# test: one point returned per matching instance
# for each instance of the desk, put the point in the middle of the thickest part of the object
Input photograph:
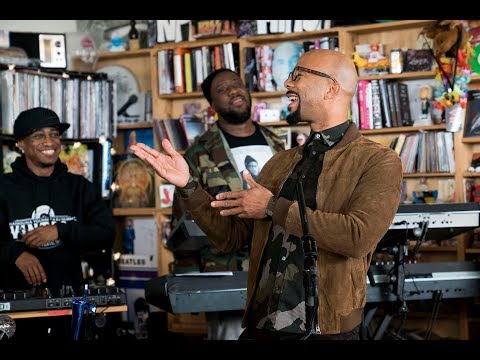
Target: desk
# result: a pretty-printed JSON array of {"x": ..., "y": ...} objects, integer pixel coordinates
[{"x": 61, "y": 312}]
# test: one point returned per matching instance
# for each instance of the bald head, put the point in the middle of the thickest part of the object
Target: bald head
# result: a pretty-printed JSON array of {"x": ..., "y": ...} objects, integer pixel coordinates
[
  {"x": 321, "y": 89},
  {"x": 335, "y": 64}
]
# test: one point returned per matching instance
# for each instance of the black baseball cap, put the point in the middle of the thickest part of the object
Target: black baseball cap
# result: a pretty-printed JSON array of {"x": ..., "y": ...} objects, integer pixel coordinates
[{"x": 35, "y": 119}]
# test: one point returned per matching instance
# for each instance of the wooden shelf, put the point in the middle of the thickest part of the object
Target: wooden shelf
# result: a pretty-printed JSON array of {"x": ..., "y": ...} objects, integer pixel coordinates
[
  {"x": 268, "y": 94},
  {"x": 469, "y": 174},
  {"x": 403, "y": 129},
  {"x": 281, "y": 123},
  {"x": 261, "y": 39},
  {"x": 165, "y": 211},
  {"x": 414, "y": 75},
  {"x": 471, "y": 140},
  {"x": 189, "y": 95},
  {"x": 392, "y": 130},
  {"x": 133, "y": 211},
  {"x": 123, "y": 54},
  {"x": 387, "y": 26},
  {"x": 139, "y": 125},
  {"x": 197, "y": 43},
  {"x": 472, "y": 251},
  {"x": 431, "y": 175}
]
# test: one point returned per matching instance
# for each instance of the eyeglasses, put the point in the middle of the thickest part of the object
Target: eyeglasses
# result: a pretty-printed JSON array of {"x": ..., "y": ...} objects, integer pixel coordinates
[
  {"x": 294, "y": 73},
  {"x": 40, "y": 136}
]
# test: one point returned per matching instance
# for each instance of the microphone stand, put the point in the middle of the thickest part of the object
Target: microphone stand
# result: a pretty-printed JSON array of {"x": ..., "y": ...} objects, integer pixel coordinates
[{"x": 309, "y": 266}]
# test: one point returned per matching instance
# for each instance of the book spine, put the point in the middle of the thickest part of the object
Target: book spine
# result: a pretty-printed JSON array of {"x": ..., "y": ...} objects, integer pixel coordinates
[
  {"x": 385, "y": 104},
  {"x": 354, "y": 110},
  {"x": 404, "y": 103},
  {"x": 369, "y": 105},
  {"x": 450, "y": 154},
  {"x": 178, "y": 70},
  {"x": 396, "y": 99},
  {"x": 376, "y": 105},
  {"x": 187, "y": 71},
  {"x": 362, "y": 104},
  {"x": 218, "y": 57},
  {"x": 206, "y": 61},
  {"x": 200, "y": 75},
  {"x": 391, "y": 103}
]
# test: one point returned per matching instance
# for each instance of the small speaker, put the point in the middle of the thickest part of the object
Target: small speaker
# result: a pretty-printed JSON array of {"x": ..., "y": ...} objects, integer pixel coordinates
[{"x": 48, "y": 49}]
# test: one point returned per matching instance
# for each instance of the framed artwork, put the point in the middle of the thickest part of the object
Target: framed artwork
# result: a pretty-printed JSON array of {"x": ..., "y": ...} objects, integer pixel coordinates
[
  {"x": 133, "y": 182},
  {"x": 472, "y": 114},
  {"x": 79, "y": 160}
]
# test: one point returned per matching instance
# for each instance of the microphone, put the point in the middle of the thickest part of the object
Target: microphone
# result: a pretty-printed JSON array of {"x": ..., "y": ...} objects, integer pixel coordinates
[
  {"x": 7, "y": 326},
  {"x": 131, "y": 100},
  {"x": 79, "y": 308}
]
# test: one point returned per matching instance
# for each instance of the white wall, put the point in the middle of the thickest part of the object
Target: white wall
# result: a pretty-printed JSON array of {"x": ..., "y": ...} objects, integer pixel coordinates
[{"x": 54, "y": 26}]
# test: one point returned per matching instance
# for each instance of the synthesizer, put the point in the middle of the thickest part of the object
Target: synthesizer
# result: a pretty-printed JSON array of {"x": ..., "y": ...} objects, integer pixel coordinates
[
  {"x": 442, "y": 220},
  {"x": 193, "y": 294},
  {"x": 423, "y": 280},
  {"x": 102, "y": 296}
]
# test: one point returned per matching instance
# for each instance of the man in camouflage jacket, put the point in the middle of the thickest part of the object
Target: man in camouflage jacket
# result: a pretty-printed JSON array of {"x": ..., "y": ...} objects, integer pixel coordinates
[{"x": 210, "y": 162}]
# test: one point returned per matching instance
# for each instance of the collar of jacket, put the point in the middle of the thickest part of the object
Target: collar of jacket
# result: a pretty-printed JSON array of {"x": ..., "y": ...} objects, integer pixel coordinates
[{"x": 351, "y": 134}]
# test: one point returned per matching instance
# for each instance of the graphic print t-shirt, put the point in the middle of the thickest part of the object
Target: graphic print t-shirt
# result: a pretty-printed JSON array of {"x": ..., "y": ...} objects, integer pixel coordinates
[
  {"x": 251, "y": 153},
  {"x": 252, "y": 158}
]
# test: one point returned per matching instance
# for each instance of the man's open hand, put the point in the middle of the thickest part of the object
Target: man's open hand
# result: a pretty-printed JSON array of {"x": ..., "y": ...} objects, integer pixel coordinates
[{"x": 250, "y": 203}]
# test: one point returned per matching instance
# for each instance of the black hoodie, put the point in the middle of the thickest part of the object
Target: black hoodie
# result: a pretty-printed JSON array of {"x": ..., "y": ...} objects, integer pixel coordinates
[{"x": 71, "y": 202}]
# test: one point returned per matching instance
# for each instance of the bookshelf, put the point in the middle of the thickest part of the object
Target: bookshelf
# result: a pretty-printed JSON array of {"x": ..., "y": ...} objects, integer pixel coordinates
[
  {"x": 139, "y": 62},
  {"x": 396, "y": 34},
  {"x": 404, "y": 34}
]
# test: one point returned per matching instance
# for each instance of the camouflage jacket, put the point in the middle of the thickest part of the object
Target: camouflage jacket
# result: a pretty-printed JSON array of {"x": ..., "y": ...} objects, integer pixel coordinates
[
  {"x": 358, "y": 194},
  {"x": 209, "y": 162}
]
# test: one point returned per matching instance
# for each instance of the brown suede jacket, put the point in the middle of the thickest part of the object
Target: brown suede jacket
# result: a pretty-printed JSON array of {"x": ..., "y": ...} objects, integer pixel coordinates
[{"x": 358, "y": 196}]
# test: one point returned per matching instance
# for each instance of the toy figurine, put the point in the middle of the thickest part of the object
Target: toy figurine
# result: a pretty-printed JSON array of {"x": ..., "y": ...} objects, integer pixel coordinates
[
  {"x": 128, "y": 237},
  {"x": 425, "y": 97}
]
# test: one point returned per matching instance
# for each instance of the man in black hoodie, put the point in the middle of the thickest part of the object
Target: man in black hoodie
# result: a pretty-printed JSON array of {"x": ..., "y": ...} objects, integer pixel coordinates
[{"x": 48, "y": 216}]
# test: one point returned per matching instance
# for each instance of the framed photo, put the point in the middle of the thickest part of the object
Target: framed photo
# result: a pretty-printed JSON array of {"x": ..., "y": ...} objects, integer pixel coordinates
[
  {"x": 472, "y": 114},
  {"x": 133, "y": 184},
  {"x": 418, "y": 60}
]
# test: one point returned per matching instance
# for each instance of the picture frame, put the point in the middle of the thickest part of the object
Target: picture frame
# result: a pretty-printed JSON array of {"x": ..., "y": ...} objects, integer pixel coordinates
[
  {"x": 133, "y": 182},
  {"x": 417, "y": 60},
  {"x": 472, "y": 115}
]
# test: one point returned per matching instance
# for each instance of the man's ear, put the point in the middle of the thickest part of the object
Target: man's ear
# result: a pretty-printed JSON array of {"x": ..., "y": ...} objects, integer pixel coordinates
[
  {"x": 333, "y": 91},
  {"x": 19, "y": 146}
]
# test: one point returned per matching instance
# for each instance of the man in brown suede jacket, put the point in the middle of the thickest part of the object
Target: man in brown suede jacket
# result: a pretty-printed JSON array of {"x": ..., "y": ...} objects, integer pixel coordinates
[{"x": 352, "y": 189}]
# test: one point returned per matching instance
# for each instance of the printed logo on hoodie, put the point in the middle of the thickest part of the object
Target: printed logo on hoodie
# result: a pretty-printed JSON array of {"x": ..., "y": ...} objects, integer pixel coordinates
[{"x": 41, "y": 216}]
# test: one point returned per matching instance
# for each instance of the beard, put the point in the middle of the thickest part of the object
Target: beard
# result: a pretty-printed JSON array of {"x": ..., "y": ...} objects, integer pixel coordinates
[
  {"x": 294, "y": 117},
  {"x": 233, "y": 117}
]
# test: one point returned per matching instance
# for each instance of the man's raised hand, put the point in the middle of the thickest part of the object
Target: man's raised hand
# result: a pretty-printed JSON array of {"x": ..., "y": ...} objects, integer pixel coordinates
[{"x": 170, "y": 166}]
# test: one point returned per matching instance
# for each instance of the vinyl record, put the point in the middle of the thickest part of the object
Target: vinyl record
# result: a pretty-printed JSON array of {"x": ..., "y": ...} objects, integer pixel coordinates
[{"x": 127, "y": 86}]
